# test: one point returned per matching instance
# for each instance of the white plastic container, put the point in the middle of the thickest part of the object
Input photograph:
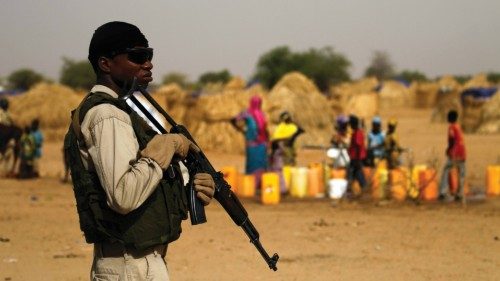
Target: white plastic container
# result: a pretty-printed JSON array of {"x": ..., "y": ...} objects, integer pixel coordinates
[{"x": 337, "y": 188}]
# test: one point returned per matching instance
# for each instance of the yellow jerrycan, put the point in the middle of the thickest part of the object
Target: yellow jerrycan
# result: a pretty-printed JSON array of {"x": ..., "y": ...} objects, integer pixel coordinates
[{"x": 270, "y": 187}]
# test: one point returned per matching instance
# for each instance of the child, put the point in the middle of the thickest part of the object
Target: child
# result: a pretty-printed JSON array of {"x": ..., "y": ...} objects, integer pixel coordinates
[
  {"x": 455, "y": 153},
  {"x": 357, "y": 153},
  {"x": 27, "y": 154},
  {"x": 38, "y": 138},
  {"x": 375, "y": 143}
]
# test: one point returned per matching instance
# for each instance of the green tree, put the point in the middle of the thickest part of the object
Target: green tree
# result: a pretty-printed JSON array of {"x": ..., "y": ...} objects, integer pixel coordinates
[
  {"x": 462, "y": 78},
  {"x": 494, "y": 77},
  {"x": 77, "y": 74},
  {"x": 324, "y": 66},
  {"x": 380, "y": 66},
  {"x": 215, "y": 76},
  {"x": 176, "y": 77},
  {"x": 23, "y": 79},
  {"x": 412, "y": 75},
  {"x": 273, "y": 65}
]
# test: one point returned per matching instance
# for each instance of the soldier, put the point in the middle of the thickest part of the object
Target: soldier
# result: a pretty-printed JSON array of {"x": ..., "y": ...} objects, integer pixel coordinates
[{"x": 128, "y": 186}]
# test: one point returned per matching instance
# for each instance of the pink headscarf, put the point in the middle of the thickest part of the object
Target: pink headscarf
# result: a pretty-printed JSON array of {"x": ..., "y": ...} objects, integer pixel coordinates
[{"x": 255, "y": 111}]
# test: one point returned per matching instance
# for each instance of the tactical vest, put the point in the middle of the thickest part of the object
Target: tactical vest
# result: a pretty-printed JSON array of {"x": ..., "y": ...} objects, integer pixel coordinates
[{"x": 156, "y": 221}]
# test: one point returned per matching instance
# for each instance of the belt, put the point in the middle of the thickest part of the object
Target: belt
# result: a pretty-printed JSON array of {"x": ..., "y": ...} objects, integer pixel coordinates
[{"x": 114, "y": 250}]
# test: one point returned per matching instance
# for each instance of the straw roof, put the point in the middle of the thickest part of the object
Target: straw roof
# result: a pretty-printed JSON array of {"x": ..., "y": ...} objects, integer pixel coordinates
[
  {"x": 299, "y": 96},
  {"x": 50, "y": 103},
  {"x": 394, "y": 94},
  {"x": 359, "y": 98},
  {"x": 491, "y": 116}
]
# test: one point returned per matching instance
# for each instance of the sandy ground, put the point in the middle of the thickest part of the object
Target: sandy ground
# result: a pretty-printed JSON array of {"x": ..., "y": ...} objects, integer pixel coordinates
[{"x": 40, "y": 239}]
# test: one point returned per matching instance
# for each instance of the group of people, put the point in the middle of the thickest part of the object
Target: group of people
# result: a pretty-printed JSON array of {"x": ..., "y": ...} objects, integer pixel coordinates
[
  {"x": 265, "y": 151},
  {"x": 30, "y": 143},
  {"x": 378, "y": 146},
  {"x": 384, "y": 146}
]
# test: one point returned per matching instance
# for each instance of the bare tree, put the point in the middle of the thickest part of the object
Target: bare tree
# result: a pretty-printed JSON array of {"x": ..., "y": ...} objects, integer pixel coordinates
[{"x": 381, "y": 66}]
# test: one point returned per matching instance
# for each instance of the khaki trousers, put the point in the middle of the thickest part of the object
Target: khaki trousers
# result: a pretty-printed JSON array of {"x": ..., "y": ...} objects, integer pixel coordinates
[{"x": 151, "y": 267}]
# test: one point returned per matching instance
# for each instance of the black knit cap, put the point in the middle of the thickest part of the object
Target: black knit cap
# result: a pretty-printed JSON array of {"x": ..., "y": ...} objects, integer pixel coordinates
[{"x": 114, "y": 36}]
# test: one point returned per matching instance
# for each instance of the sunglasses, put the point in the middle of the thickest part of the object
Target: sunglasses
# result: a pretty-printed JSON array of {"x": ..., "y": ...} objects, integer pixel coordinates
[{"x": 138, "y": 55}]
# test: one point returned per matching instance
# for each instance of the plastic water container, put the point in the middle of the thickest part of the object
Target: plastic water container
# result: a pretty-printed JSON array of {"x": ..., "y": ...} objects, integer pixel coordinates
[
  {"x": 287, "y": 176},
  {"x": 493, "y": 180},
  {"x": 299, "y": 182},
  {"x": 337, "y": 188},
  {"x": 338, "y": 173},
  {"x": 270, "y": 187},
  {"x": 428, "y": 184},
  {"x": 399, "y": 180},
  {"x": 415, "y": 174},
  {"x": 326, "y": 176},
  {"x": 246, "y": 186},
  {"x": 230, "y": 174},
  {"x": 315, "y": 182},
  {"x": 369, "y": 174},
  {"x": 379, "y": 183}
]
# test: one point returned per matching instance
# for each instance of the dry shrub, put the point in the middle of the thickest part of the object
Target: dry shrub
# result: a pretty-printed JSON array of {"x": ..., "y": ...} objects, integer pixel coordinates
[
  {"x": 298, "y": 95},
  {"x": 394, "y": 94},
  {"x": 51, "y": 104}
]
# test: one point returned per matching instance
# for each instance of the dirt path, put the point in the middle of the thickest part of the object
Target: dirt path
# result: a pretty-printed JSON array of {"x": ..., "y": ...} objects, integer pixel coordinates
[{"x": 354, "y": 241}]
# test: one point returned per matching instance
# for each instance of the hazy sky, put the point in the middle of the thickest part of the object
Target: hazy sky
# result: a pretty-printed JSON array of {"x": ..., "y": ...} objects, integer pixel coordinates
[{"x": 434, "y": 36}]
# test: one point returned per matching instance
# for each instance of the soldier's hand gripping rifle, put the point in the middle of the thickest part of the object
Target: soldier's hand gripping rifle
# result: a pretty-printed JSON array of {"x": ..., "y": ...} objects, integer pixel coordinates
[{"x": 197, "y": 162}]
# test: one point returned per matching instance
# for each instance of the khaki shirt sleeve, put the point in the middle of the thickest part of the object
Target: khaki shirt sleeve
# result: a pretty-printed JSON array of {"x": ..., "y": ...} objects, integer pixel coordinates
[{"x": 113, "y": 150}]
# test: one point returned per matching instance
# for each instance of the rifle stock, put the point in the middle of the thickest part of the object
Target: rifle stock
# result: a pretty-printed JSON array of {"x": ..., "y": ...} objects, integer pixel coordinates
[{"x": 197, "y": 162}]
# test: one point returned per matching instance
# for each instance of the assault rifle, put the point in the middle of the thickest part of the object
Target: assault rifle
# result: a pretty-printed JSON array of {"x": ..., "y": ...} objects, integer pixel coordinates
[{"x": 197, "y": 162}]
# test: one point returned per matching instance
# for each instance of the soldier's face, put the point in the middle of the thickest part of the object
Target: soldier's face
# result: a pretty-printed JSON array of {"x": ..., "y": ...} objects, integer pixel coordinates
[{"x": 125, "y": 66}]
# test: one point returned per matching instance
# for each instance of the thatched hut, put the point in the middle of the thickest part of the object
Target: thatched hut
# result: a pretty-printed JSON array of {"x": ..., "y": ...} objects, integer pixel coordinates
[
  {"x": 426, "y": 94},
  {"x": 299, "y": 96},
  {"x": 50, "y": 103},
  {"x": 490, "y": 116},
  {"x": 394, "y": 94},
  {"x": 359, "y": 98},
  {"x": 448, "y": 98}
]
